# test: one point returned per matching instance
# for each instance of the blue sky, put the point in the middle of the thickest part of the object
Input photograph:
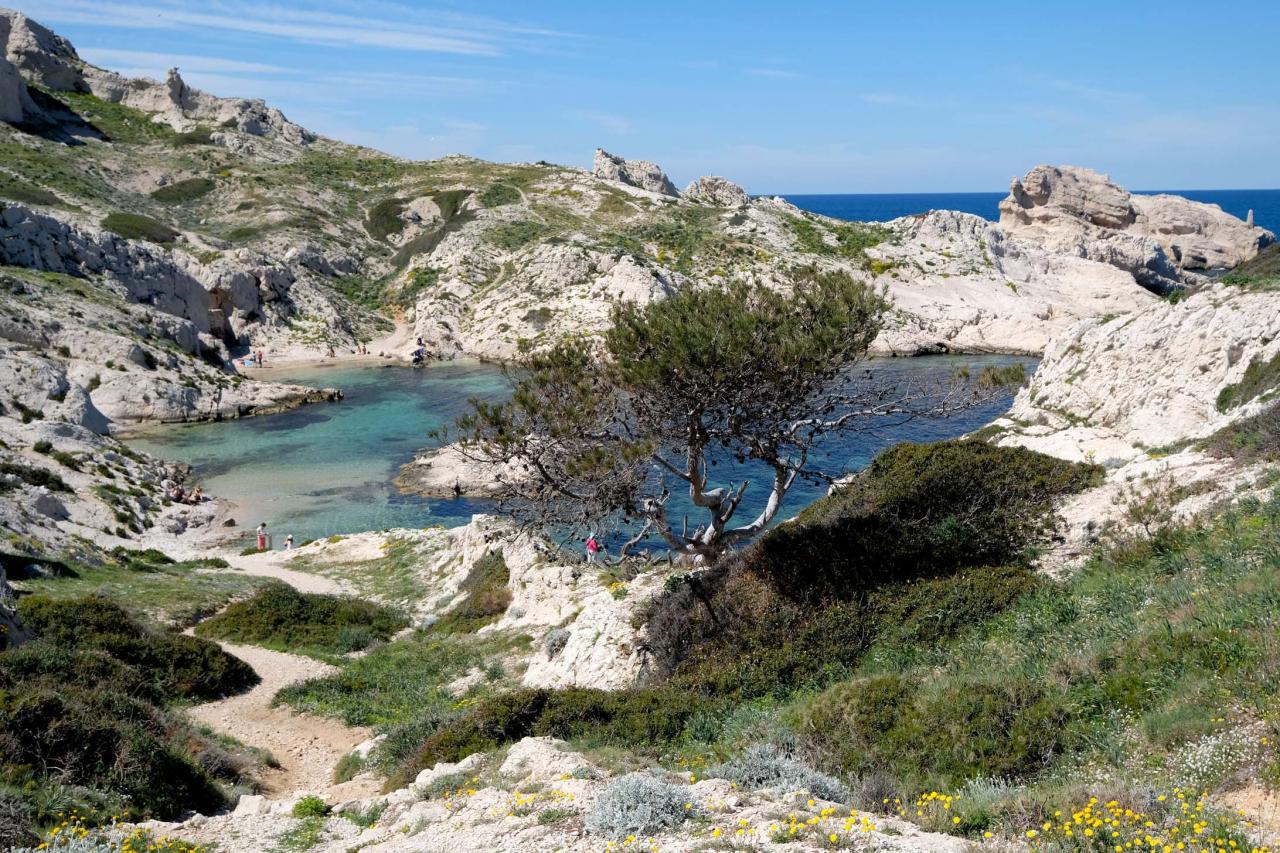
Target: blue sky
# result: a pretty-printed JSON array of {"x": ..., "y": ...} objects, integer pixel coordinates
[{"x": 783, "y": 97}]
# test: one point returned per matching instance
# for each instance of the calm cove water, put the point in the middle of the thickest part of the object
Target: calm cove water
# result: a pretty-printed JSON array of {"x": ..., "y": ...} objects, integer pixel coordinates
[
  {"x": 879, "y": 207},
  {"x": 327, "y": 468}
]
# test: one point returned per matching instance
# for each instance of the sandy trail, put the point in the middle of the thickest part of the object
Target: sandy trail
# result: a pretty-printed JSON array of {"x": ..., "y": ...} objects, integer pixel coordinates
[
  {"x": 272, "y": 564},
  {"x": 306, "y": 747}
]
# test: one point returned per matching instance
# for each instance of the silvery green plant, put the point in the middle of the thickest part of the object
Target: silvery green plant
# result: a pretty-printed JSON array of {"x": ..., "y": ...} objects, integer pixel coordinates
[
  {"x": 638, "y": 804},
  {"x": 764, "y": 765}
]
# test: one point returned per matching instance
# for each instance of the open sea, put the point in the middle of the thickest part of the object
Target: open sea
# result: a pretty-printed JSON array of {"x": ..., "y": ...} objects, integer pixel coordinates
[{"x": 878, "y": 207}]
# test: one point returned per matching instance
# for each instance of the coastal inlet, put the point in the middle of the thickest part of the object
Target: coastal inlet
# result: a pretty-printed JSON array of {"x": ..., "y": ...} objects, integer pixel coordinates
[{"x": 327, "y": 469}]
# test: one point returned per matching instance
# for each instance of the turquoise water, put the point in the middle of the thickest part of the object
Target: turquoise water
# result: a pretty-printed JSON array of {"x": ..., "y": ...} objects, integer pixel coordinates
[{"x": 327, "y": 469}]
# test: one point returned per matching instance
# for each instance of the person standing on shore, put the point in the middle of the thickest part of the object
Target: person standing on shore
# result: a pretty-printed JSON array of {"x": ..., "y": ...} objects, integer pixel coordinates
[
  {"x": 288, "y": 542},
  {"x": 262, "y": 536},
  {"x": 592, "y": 547}
]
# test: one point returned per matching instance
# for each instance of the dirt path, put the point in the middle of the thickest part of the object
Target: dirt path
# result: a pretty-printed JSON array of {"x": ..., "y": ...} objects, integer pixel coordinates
[
  {"x": 271, "y": 564},
  {"x": 306, "y": 747}
]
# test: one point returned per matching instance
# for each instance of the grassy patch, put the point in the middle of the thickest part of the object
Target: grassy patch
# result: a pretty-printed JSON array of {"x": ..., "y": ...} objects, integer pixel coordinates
[
  {"x": 395, "y": 683},
  {"x": 1262, "y": 273},
  {"x": 184, "y": 191},
  {"x": 280, "y": 617},
  {"x": 849, "y": 240},
  {"x": 499, "y": 194},
  {"x": 1250, "y": 439},
  {"x": 516, "y": 235},
  {"x": 1260, "y": 377},
  {"x": 485, "y": 597},
  {"x": 384, "y": 219},
  {"x": 392, "y": 578},
  {"x": 170, "y": 594},
  {"x": 117, "y": 122},
  {"x": 34, "y": 476},
  {"x": 17, "y": 189},
  {"x": 135, "y": 226}
]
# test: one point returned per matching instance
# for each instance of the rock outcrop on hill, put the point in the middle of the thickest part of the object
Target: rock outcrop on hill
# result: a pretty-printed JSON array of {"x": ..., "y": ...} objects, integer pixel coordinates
[
  {"x": 50, "y": 60},
  {"x": 15, "y": 102},
  {"x": 1157, "y": 238},
  {"x": 717, "y": 191},
  {"x": 1144, "y": 394},
  {"x": 635, "y": 173}
]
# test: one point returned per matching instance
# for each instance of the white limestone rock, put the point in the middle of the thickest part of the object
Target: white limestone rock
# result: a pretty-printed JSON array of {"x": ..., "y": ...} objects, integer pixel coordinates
[
  {"x": 15, "y": 103},
  {"x": 714, "y": 190},
  {"x": 635, "y": 173},
  {"x": 41, "y": 55},
  {"x": 1162, "y": 240},
  {"x": 544, "y": 759}
]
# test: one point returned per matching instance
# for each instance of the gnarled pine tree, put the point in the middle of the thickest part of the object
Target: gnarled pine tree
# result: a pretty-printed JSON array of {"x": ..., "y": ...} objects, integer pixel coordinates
[{"x": 604, "y": 434}]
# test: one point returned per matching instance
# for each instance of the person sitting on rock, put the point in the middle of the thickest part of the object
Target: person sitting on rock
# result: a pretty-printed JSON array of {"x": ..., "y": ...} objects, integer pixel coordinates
[
  {"x": 196, "y": 496},
  {"x": 177, "y": 494}
]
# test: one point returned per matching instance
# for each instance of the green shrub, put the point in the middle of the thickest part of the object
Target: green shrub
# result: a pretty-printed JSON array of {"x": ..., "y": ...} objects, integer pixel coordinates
[
  {"x": 19, "y": 190},
  {"x": 310, "y": 806},
  {"x": 517, "y": 235},
  {"x": 383, "y": 218},
  {"x": 175, "y": 666},
  {"x": 449, "y": 202},
  {"x": 485, "y": 597},
  {"x": 348, "y": 767},
  {"x": 920, "y": 510},
  {"x": 198, "y": 135},
  {"x": 1260, "y": 377},
  {"x": 184, "y": 191},
  {"x": 135, "y": 226},
  {"x": 1251, "y": 439},
  {"x": 278, "y": 616},
  {"x": 499, "y": 194},
  {"x": 42, "y": 446},
  {"x": 764, "y": 765},
  {"x": 35, "y": 476}
]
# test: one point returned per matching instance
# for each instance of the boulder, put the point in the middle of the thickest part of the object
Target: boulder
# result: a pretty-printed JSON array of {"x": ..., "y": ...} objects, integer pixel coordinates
[
  {"x": 717, "y": 191},
  {"x": 635, "y": 173},
  {"x": 544, "y": 759}
]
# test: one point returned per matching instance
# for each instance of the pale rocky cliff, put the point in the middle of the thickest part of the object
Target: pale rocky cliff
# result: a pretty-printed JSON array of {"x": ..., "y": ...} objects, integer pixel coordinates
[
  {"x": 1142, "y": 393},
  {"x": 51, "y": 61},
  {"x": 1157, "y": 238}
]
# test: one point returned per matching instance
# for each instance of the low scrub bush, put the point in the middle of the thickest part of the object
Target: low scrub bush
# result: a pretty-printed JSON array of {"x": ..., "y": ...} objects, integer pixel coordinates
[
  {"x": 1251, "y": 439},
  {"x": 383, "y": 218},
  {"x": 499, "y": 194},
  {"x": 135, "y": 226},
  {"x": 920, "y": 510},
  {"x": 184, "y": 191},
  {"x": 637, "y": 804},
  {"x": 176, "y": 666},
  {"x": 1260, "y": 377},
  {"x": 485, "y": 597},
  {"x": 764, "y": 765},
  {"x": 33, "y": 476},
  {"x": 278, "y": 616},
  {"x": 310, "y": 806}
]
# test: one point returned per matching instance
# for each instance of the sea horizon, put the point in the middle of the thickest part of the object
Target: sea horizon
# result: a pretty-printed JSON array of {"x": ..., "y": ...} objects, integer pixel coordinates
[{"x": 880, "y": 207}]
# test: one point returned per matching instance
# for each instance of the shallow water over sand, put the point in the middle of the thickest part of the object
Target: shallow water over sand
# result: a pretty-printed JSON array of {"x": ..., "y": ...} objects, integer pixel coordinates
[{"x": 327, "y": 469}]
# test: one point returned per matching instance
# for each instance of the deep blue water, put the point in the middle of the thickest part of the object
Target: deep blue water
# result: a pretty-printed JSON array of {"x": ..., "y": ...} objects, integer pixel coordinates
[
  {"x": 878, "y": 207},
  {"x": 327, "y": 468}
]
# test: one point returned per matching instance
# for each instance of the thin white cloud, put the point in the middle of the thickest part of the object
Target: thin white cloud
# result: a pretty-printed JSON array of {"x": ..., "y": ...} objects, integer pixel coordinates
[
  {"x": 774, "y": 73},
  {"x": 1094, "y": 93},
  {"x": 113, "y": 58},
  {"x": 892, "y": 99},
  {"x": 402, "y": 29},
  {"x": 610, "y": 122}
]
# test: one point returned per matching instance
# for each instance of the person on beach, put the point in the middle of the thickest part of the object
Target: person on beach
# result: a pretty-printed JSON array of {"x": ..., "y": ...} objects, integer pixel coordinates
[
  {"x": 262, "y": 536},
  {"x": 592, "y": 547},
  {"x": 288, "y": 542},
  {"x": 262, "y": 361},
  {"x": 196, "y": 496}
]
